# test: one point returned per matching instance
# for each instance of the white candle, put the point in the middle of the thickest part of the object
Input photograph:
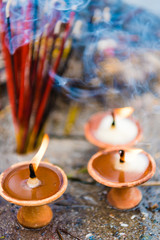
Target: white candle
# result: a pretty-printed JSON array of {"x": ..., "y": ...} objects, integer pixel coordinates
[
  {"x": 134, "y": 162},
  {"x": 124, "y": 131}
]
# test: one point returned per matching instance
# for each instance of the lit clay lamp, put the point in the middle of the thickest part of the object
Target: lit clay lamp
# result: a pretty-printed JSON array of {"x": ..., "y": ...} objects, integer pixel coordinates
[
  {"x": 122, "y": 170},
  {"x": 32, "y": 185},
  {"x": 114, "y": 128}
]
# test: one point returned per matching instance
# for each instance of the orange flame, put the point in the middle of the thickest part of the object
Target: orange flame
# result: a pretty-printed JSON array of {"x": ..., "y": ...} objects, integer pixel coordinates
[
  {"x": 37, "y": 158},
  {"x": 124, "y": 112},
  {"x": 135, "y": 151}
]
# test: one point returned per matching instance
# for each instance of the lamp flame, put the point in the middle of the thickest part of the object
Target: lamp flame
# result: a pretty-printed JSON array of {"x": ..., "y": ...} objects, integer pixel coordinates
[
  {"x": 37, "y": 158},
  {"x": 135, "y": 151},
  {"x": 124, "y": 112}
]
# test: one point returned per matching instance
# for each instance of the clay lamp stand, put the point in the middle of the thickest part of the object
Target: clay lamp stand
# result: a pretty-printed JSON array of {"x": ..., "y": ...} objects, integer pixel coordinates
[
  {"x": 122, "y": 170},
  {"x": 34, "y": 212},
  {"x": 20, "y": 185},
  {"x": 114, "y": 128}
]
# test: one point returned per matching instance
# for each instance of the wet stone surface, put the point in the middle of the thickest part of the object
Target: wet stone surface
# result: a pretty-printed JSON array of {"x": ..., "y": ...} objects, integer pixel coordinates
[{"x": 83, "y": 212}]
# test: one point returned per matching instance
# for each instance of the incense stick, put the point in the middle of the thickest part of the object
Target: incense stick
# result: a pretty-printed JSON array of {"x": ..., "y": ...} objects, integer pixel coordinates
[
  {"x": 12, "y": 62},
  {"x": 148, "y": 184},
  {"x": 29, "y": 83},
  {"x": 49, "y": 85}
]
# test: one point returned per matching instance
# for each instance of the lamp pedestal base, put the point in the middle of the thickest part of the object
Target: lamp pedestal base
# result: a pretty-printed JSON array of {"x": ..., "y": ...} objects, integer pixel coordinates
[
  {"x": 124, "y": 198},
  {"x": 34, "y": 216}
]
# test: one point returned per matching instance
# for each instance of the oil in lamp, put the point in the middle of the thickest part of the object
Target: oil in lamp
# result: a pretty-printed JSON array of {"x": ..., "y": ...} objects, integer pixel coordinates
[
  {"x": 32, "y": 185},
  {"x": 122, "y": 170},
  {"x": 114, "y": 128}
]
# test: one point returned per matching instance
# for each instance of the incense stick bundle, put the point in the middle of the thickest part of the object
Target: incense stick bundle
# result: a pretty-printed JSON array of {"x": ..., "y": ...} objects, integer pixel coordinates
[{"x": 28, "y": 66}]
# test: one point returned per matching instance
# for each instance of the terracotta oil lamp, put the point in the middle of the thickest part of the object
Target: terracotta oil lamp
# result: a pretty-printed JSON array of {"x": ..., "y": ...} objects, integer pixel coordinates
[
  {"x": 113, "y": 128},
  {"x": 122, "y": 170},
  {"x": 33, "y": 185}
]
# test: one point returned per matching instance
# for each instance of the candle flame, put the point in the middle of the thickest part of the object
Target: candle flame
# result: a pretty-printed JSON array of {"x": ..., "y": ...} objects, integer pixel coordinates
[
  {"x": 37, "y": 158},
  {"x": 124, "y": 112},
  {"x": 135, "y": 151}
]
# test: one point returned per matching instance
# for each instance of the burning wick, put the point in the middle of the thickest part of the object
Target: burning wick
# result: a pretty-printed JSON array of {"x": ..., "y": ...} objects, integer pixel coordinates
[
  {"x": 113, "y": 121},
  {"x": 32, "y": 172},
  {"x": 33, "y": 181},
  {"x": 123, "y": 112},
  {"x": 122, "y": 156}
]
